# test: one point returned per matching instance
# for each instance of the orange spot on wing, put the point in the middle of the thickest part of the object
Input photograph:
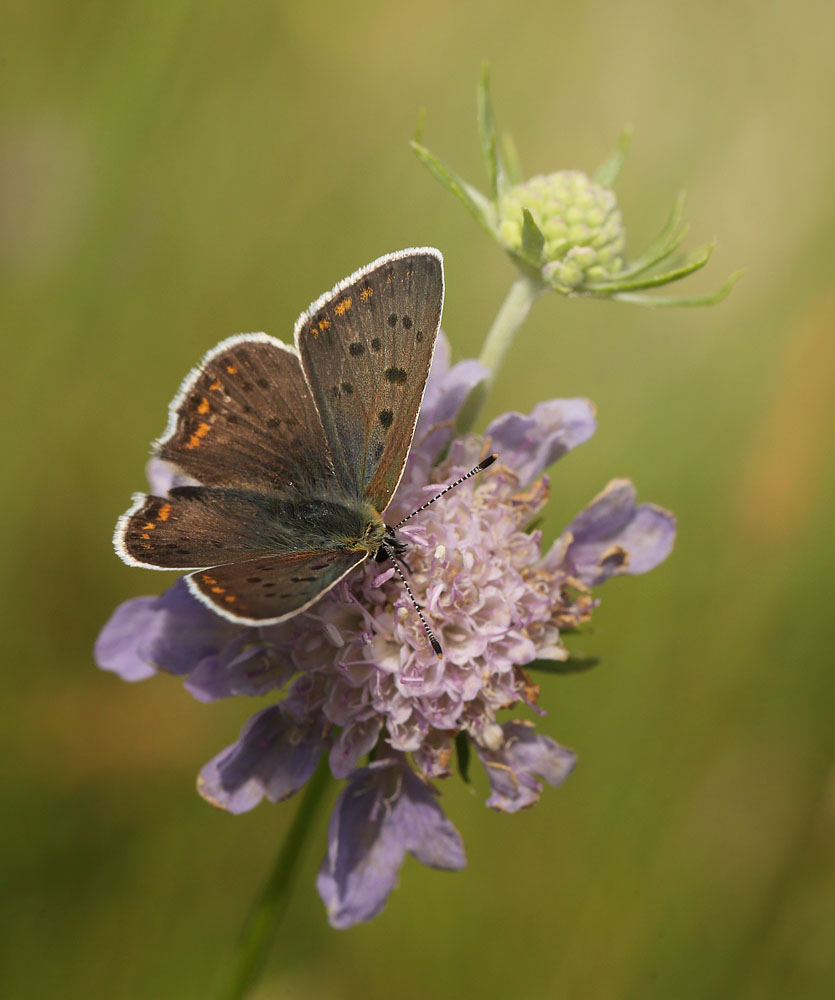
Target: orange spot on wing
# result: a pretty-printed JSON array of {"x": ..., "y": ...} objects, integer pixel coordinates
[
  {"x": 148, "y": 527},
  {"x": 203, "y": 406},
  {"x": 215, "y": 385},
  {"x": 232, "y": 369},
  {"x": 324, "y": 323},
  {"x": 208, "y": 579},
  {"x": 164, "y": 512},
  {"x": 366, "y": 294},
  {"x": 202, "y": 430},
  {"x": 342, "y": 307},
  {"x": 230, "y": 598},
  {"x": 218, "y": 590},
  {"x": 146, "y": 536}
]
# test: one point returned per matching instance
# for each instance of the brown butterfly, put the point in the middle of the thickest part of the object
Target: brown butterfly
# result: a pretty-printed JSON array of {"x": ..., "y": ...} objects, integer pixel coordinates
[{"x": 298, "y": 452}]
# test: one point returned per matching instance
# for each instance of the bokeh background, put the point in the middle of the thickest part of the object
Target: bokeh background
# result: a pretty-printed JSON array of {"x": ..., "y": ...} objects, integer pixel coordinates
[{"x": 172, "y": 173}]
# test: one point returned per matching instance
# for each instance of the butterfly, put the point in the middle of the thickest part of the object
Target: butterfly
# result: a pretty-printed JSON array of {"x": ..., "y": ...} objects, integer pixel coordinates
[{"x": 297, "y": 451}]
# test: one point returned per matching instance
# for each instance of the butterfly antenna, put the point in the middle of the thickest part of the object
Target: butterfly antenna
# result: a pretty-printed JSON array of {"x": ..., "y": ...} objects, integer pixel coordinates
[
  {"x": 430, "y": 634},
  {"x": 485, "y": 464}
]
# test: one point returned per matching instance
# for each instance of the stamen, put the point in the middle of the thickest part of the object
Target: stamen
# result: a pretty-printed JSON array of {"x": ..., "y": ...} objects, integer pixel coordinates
[{"x": 486, "y": 463}]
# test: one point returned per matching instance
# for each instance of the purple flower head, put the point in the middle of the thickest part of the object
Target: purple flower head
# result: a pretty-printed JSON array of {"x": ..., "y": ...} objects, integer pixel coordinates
[{"x": 355, "y": 673}]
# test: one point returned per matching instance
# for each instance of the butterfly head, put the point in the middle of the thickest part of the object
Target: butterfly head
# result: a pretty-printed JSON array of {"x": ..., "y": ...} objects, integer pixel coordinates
[
  {"x": 373, "y": 537},
  {"x": 390, "y": 546}
]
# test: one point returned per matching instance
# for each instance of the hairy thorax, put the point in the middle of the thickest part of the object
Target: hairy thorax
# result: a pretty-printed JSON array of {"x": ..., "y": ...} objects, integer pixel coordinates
[{"x": 351, "y": 525}]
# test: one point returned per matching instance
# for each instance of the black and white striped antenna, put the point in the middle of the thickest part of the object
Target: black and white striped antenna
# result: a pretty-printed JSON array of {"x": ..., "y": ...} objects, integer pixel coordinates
[
  {"x": 395, "y": 558},
  {"x": 485, "y": 464}
]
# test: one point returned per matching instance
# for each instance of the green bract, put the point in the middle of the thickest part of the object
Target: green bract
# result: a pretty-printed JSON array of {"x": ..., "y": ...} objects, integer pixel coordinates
[{"x": 564, "y": 230}]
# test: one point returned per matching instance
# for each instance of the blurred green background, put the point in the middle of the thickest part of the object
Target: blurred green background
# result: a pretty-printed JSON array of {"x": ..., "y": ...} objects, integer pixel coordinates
[{"x": 172, "y": 173}]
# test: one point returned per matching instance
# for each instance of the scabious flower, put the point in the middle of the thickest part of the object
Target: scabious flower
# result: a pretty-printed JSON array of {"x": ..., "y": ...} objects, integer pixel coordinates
[
  {"x": 353, "y": 677},
  {"x": 564, "y": 230}
]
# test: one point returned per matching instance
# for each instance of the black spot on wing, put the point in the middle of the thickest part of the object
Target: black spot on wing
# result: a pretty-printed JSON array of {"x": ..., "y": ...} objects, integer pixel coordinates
[{"x": 386, "y": 417}]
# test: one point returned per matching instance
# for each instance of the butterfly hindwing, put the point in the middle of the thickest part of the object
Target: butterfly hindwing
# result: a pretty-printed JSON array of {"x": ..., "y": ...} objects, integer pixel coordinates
[
  {"x": 245, "y": 416},
  {"x": 272, "y": 588},
  {"x": 366, "y": 348},
  {"x": 198, "y": 526}
]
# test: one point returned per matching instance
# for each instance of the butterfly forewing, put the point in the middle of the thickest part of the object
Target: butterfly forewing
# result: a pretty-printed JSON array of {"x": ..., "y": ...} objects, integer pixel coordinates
[
  {"x": 366, "y": 348},
  {"x": 272, "y": 588},
  {"x": 245, "y": 416}
]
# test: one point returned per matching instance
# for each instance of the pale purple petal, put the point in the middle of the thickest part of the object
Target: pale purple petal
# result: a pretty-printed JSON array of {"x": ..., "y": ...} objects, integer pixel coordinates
[
  {"x": 355, "y": 740},
  {"x": 513, "y": 770},
  {"x": 172, "y": 632},
  {"x": 615, "y": 535},
  {"x": 441, "y": 360},
  {"x": 446, "y": 390},
  {"x": 245, "y": 665},
  {"x": 118, "y": 645},
  {"x": 384, "y": 811},
  {"x": 273, "y": 757},
  {"x": 529, "y": 444},
  {"x": 184, "y": 631},
  {"x": 420, "y": 822},
  {"x": 163, "y": 476}
]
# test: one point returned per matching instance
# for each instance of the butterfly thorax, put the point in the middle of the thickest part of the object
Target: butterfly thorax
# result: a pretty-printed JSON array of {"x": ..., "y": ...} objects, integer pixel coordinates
[{"x": 352, "y": 525}]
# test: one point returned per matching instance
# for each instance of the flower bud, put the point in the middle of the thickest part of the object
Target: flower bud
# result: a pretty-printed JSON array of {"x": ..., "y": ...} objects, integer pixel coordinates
[
  {"x": 564, "y": 230},
  {"x": 584, "y": 238}
]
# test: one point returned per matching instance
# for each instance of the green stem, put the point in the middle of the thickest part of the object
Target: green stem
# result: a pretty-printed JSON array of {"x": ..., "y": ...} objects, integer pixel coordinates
[
  {"x": 246, "y": 963},
  {"x": 513, "y": 313}
]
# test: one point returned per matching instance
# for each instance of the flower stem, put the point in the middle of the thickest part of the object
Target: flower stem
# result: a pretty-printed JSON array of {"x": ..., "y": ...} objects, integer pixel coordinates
[
  {"x": 513, "y": 313},
  {"x": 245, "y": 964}
]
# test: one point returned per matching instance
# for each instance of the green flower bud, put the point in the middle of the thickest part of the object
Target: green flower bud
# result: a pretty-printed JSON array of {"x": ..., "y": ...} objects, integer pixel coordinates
[
  {"x": 564, "y": 230},
  {"x": 584, "y": 238}
]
